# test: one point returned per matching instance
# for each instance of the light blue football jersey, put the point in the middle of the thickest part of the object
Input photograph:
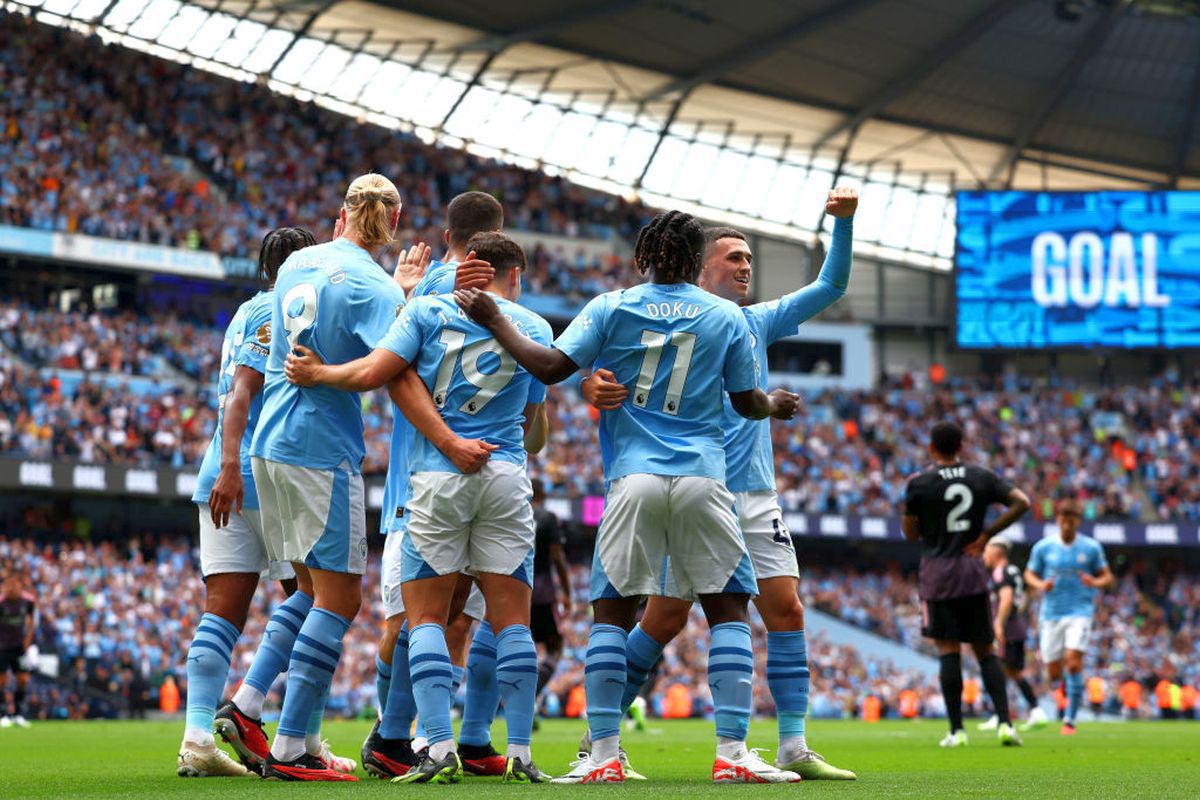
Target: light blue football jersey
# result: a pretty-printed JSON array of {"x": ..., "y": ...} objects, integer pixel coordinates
[
  {"x": 395, "y": 485},
  {"x": 247, "y": 343},
  {"x": 438, "y": 279},
  {"x": 477, "y": 386},
  {"x": 749, "y": 459},
  {"x": 679, "y": 349},
  {"x": 334, "y": 299},
  {"x": 1050, "y": 558}
]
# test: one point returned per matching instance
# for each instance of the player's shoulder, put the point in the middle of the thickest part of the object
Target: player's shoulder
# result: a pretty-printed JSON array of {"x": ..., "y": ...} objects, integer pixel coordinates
[
  {"x": 1012, "y": 570},
  {"x": 527, "y": 321},
  {"x": 922, "y": 478},
  {"x": 257, "y": 308}
]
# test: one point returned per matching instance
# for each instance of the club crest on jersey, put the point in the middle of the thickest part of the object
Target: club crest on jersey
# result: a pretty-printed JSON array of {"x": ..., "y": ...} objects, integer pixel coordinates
[
  {"x": 263, "y": 334},
  {"x": 1081, "y": 559},
  {"x": 399, "y": 308}
]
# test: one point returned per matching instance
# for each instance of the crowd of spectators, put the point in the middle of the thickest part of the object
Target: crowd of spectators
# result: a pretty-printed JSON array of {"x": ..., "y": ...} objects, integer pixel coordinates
[
  {"x": 118, "y": 616},
  {"x": 107, "y": 141},
  {"x": 103, "y": 387}
]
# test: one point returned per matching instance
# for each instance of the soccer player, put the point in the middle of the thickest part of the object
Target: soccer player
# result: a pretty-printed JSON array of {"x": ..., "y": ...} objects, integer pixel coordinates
[
  {"x": 1010, "y": 604},
  {"x": 308, "y": 451},
  {"x": 549, "y": 555},
  {"x": 481, "y": 524},
  {"x": 1067, "y": 569},
  {"x": 16, "y": 638},
  {"x": 750, "y": 475},
  {"x": 682, "y": 349},
  {"x": 944, "y": 510},
  {"x": 233, "y": 554}
]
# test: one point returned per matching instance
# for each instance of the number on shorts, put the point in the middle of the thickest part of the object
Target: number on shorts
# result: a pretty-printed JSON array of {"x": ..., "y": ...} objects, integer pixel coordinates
[
  {"x": 956, "y": 520},
  {"x": 302, "y": 320},
  {"x": 685, "y": 345},
  {"x": 488, "y": 384},
  {"x": 782, "y": 535}
]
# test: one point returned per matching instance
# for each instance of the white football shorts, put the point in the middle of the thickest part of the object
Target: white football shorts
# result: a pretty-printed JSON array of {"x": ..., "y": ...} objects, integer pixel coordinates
[
  {"x": 1066, "y": 633},
  {"x": 313, "y": 516},
  {"x": 237, "y": 547},
  {"x": 688, "y": 519},
  {"x": 391, "y": 576},
  {"x": 470, "y": 523}
]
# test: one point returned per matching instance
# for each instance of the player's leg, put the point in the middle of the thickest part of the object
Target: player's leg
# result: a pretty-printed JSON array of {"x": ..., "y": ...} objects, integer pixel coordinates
[
  {"x": 20, "y": 688},
  {"x": 231, "y": 559},
  {"x": 434, "y": 552},
  {"x": 1074, "y": 687},
  {"x": 1014, "y": 667},
  {"x": 316, "y": 517},
  {"x": 951, "y": 681},
  {"x": 709, "y": 560},
  {"x": 482, "y": 698},
  {"x": 625, "y": 566},
  {"x": 994, "y": 681}
]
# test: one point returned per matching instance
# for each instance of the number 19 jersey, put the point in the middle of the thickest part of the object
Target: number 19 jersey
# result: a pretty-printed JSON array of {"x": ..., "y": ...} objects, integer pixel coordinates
[
  {"x": 679, "y": 350},
  {"x": 477, "y": 386},
  {"x": 334, "y": 299}
]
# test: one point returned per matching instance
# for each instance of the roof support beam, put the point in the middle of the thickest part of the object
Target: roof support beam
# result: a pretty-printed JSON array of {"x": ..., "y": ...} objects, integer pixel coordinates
[
  {"x": 1050, "y": 101},
  {"x": 662, "y": 134},
  {"x": 724, "y": 63},
  {"x": 912, "y": 75},
  {"x": 498, "y": 42},
  {"x": 318, "y": 10},
  {"x": 1188, "y": 134}
]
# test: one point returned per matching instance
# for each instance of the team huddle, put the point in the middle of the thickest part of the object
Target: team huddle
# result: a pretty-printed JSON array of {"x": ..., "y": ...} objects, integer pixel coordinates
[{"x": 677, "y": 368}]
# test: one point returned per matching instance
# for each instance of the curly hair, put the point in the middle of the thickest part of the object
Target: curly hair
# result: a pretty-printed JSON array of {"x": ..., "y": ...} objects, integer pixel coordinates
[
  {"x": 673, "y": 245},
  {"x": 277, "y": 246}
]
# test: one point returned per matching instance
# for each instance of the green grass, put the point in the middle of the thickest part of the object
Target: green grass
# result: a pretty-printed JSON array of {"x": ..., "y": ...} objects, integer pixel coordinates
[{"x": 893, "y": 759}]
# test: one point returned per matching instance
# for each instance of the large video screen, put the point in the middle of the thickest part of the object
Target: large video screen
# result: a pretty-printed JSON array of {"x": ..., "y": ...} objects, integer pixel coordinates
[{"x": 1077, "y": 269}]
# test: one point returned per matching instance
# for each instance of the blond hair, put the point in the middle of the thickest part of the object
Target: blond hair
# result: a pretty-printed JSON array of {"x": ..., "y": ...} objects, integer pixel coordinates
[{"x": 370, "y": 202}]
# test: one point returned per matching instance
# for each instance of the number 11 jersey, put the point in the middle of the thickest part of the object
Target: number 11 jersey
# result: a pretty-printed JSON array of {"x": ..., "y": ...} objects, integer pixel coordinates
[{"x": 679, "y": 350}]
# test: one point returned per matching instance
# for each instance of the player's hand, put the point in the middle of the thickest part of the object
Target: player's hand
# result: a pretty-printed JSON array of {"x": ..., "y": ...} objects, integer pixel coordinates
[
  {"x": 473, "y": 273},
  {"x": 842, "y": 203},
  {"x": 784, "y": 403},
  {"x": 469, "y": 455},
  {"x": 1047, "y": 585},
  {"x": 302, "y": 365},
  {"x": 1089, "y": 581},
  {"x": 998, "y": 630},
  {"x": 478, "y": 305},
  {"x": 975, "y": 548},
  {"x": 339, "y": 227},
  {"x": 411, "y": 266},
  {"x": 566, "y": 605},
  {"x": 228, "y": 491},
  {"x": 601, "y": 390}
]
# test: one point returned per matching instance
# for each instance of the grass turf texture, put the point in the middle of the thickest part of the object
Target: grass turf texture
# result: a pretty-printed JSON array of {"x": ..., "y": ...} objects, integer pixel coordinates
[{"x": 893, "y": 759}]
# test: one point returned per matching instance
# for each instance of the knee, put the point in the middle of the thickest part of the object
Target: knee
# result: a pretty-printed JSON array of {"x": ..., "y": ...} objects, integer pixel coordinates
[
  {"x": 665, "y": 626},
  {"x": 789, "y": 617},
  {"x": 723, "y": 608}
]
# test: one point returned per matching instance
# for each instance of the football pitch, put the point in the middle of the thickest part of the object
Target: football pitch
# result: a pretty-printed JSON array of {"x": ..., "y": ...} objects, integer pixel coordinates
[{"x": 893, "y": 759}]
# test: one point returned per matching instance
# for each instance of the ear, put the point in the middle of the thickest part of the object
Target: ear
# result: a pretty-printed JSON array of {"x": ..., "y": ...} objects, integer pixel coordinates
[
  {"x": 395, "y": 221},
  {"x": 446, "y": 236}
]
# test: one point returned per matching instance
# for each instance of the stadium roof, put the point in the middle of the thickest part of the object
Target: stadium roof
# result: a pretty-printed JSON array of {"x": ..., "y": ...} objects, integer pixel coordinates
[{"x": 749, "y": 110}]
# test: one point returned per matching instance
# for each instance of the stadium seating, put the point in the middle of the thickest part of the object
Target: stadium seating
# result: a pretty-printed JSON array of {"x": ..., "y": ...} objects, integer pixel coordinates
[{"x": 118, "y": 616}]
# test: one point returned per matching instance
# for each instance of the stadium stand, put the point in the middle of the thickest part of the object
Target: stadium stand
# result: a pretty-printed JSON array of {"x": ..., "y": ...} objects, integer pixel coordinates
[{"x": 117, "y": 615}]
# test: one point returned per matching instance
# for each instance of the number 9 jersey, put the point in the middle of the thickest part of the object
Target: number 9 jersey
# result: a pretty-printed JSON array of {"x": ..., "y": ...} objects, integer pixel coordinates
[
  {"x": 679, "y": 350},
  {"x": 334, "y": 299}
]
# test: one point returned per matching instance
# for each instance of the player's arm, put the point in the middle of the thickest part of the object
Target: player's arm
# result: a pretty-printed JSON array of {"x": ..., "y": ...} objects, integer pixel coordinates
[
  {"x": 537, "y": 427},
  {"x": 1102, "y": 579},
  {"x": 409, "y": 394},
  {"x": 757, "y": 404},
  {"x": 228, "y": 489},
  {"x": 600, "y": 389},
  {"x": 910, "y": 526},
  {"x": 1033, "y": 571},
  {"x": 1018, "y": 504},
  {"x": 305, "y": 368},
  {"x": 30, "y": 627},
  {"x": 1005, "y": 606},
  {"x": 547, "y": 364},
  {"x": 832, "y": 281},
  {"x": 558, "y": 557}
]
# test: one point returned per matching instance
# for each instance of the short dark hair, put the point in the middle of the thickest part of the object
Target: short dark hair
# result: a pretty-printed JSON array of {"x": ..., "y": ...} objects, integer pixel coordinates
[
  {"x": 946, "y": 438},
  {"x": 498, "y": 250},
  {"x": 673, "y": 244},
  {"x": 277, "y": 246},
  {"x": 714, "y": 235},
  {"x": 471, "y": 213}
]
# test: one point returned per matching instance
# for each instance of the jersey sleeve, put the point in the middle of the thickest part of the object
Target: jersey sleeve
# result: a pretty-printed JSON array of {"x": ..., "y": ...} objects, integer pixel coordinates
[
  {"x": 404, "y": 336},
  {"x": 912, "y": 497},
  {"x": 437, "y": 280},
  {"x": 256, "y": 340},
  {"x": 782, "y": 317},
  {"x": 1001, "y": 489},
  {"x": 1037, "y": 560},
  {"x": 1098, "y": 560},
  {"x": 1011, "y": 575},
  {"x": 739, "y": 371},
  {"x": 583, "y": 338},
  {"x": 375, "y": 308}
]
